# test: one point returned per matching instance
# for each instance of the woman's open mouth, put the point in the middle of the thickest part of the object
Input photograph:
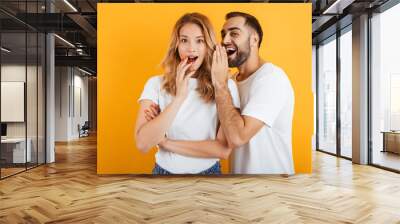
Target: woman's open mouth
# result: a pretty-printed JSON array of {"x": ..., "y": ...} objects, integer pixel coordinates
[{"x": 191, "y": 59}]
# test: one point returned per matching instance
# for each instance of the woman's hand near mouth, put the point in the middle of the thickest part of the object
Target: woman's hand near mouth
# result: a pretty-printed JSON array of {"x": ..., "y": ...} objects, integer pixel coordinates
[{"x": 182, "y": 79}]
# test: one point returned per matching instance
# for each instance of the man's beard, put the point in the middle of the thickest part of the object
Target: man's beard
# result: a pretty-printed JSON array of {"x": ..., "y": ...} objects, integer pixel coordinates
[{"x": 242, "y": 56}]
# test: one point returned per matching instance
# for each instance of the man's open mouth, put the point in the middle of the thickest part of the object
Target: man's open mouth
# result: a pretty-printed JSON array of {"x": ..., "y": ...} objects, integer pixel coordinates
[
  {"x": 230, "y": 50},
  {"x": 192, "y": 59}
]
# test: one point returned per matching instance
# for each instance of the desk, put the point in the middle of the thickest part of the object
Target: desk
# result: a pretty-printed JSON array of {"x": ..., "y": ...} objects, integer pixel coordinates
[
  {"x": 15, "y": 148},
  {"x": 391, "y": 141}
]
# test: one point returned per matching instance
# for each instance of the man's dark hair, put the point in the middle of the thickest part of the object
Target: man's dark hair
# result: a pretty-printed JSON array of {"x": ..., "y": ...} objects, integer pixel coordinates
[{"x": 249, "y": 21}]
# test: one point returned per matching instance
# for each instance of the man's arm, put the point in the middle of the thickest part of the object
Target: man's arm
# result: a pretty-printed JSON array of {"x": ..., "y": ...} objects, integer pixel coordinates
[{"x": 238, "y": 129}]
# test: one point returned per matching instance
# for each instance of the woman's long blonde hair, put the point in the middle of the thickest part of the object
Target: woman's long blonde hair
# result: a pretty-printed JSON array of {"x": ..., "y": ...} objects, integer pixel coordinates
[{"x": 172, "y": 59}]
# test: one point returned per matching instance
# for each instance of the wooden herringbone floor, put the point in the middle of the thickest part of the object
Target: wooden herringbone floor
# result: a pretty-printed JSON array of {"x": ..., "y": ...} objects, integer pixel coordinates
[{"x": 69, "y": 191}]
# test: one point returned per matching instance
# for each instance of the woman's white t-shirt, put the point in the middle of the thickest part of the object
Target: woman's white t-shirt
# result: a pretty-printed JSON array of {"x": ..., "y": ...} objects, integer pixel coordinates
[{"x": 196, "y": 120}]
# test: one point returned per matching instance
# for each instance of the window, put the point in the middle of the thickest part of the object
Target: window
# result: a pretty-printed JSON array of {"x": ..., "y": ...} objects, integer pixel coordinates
[
  {"x": 385, "y": 88},
  {"x": 327, "y": 96},
  {"x": 346, "y": 93}
]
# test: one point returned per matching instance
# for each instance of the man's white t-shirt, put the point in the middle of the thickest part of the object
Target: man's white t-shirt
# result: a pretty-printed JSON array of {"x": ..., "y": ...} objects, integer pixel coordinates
[
  {"x": 268, "y": 96},
  {"x": 196, "y": 120}
]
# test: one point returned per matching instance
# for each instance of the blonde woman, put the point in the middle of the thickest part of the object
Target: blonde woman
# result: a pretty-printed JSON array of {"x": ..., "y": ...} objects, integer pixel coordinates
[{"x": 186, "y": 128}]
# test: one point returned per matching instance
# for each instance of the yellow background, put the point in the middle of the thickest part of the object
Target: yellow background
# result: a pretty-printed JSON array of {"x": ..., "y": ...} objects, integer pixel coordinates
[{"x": 132, "y": 41}]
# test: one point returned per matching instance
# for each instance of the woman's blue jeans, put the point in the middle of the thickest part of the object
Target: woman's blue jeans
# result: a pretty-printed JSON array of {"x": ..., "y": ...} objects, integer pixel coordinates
[{"x": 214, "y": 170}]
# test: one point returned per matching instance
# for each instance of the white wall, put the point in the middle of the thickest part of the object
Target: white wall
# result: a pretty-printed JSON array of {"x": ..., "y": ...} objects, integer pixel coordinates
[
  {"x": 12, "y": 101},
  {"x": 81, "y": 84},
  {"x": 14, "y": 73},
  {"x": 71, "y": 93},
  {"x": 62, "y": 78}
]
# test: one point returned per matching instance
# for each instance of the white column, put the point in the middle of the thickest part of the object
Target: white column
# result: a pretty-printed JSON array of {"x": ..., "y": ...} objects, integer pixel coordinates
[
  {"x": 50, "y": 92},
  {"x": 360, "y": 90},
  {"x": 50, "y": 99}
]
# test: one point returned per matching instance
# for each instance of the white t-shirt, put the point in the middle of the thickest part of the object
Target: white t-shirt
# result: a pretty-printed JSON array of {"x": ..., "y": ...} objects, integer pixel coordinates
[
  {"x": 268, "y": 96},
  {"x": 196, "y": 120}
]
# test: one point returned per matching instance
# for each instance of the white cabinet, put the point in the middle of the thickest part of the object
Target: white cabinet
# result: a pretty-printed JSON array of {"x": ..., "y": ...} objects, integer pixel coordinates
[{"x": 17, "y": 148}]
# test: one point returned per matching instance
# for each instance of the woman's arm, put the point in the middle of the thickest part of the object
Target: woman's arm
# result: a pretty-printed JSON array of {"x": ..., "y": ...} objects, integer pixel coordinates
[
  {"x": 150, "y": 133},
  {"x": 217, "y": 148}
]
